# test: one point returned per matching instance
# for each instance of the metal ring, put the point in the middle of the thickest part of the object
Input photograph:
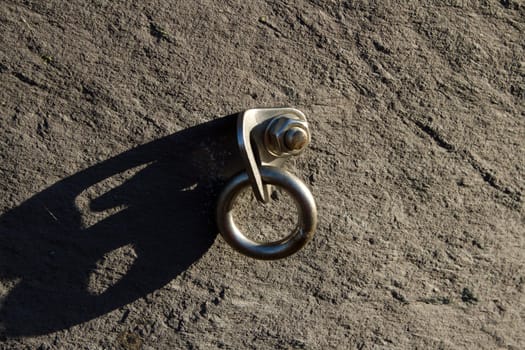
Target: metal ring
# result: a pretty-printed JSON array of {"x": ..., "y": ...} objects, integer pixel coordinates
[{"x": 303, "y": 232}]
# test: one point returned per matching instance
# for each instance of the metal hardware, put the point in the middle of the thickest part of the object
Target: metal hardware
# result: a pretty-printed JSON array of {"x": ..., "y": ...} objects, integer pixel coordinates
[
  {"x": 286, "y": 136},
  {"x": 260, "y": 135},
  {"x": 266, "y": 138},
  {"x": 302, "y": 233}
]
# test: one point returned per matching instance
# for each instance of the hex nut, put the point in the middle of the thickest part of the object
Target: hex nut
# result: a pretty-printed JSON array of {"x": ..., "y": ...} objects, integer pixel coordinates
[{"x": 286, "y": 136}]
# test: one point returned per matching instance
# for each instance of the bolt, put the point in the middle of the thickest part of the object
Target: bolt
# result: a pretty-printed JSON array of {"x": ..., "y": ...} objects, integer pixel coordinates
[
  {"x": 295, "y": 138},
  {"x": 286, "y": 136}
]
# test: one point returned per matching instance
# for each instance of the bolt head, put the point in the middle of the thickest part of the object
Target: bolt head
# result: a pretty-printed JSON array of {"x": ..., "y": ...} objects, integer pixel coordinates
[
  {"x": 295, "y": 138},
  {"x": 286, "y": 136}
]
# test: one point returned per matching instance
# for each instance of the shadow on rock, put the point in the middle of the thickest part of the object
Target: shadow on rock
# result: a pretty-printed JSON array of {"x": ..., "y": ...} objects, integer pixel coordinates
[{"x": 164, "y": 212}]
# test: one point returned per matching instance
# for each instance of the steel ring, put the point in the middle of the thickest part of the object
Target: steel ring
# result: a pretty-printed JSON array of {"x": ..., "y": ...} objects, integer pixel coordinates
[{"x": 303, "y": 232}]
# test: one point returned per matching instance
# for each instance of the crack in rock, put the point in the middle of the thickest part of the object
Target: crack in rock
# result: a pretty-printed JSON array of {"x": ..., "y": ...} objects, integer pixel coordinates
[{"x": 485, "y": 174}]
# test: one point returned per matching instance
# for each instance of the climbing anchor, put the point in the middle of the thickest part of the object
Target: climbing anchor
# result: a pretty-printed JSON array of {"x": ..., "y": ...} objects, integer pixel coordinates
[{"x": 267, "y": 137}]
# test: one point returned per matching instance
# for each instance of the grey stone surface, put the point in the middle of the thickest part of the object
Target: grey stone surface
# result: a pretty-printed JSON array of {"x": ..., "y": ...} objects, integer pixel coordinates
[{"x": 417, "y": 163}]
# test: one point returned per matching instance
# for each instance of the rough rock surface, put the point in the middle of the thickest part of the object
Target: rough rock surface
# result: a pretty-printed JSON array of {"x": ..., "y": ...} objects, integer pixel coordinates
[{"x": 417, "y": 163}]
